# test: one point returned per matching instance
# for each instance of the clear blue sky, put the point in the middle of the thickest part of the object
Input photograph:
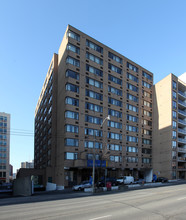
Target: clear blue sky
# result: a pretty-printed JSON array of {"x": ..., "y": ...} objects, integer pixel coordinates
[{"x": 152, "y": 33}]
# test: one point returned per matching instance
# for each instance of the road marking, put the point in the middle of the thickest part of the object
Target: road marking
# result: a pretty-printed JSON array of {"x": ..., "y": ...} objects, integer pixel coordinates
[
  {"x": 101, "y": 217},
  {"x": 181, "y": 198}
]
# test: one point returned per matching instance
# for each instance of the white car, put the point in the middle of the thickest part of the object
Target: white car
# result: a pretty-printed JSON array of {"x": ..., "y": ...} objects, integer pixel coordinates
[{"x": 81, "y": 186}]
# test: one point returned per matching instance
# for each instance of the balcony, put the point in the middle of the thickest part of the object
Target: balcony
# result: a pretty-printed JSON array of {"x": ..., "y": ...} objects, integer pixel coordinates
[
  {"x": 182, "y": 159},
  {"x": 182, "y": 112},
  {"x": 181, "y": 131},
  {"x": 181, "y": 140},
  {"x": 183, "y": 168},
  {"x": 182, "y": 93},
  {"x": 182, "y": 103},
  {"x": 180, "y": 149},
  {"x": 182, "y": 121}
]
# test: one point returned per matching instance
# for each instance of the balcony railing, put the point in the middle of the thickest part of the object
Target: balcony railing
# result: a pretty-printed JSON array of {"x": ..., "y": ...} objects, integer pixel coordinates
[
  {"x": 181, "y": 93},
  {"x": 180, "y": 149},
  {"x": 181, "y": 167},
  {"x": 182, "y": 159},
  {"x": 182, "y": 140},
  {"x": 182, "y": 103},
  {"x": 182, "y": 112},
  {"x": 182, "y": 121},
  {"x": 181, "y": 131}
]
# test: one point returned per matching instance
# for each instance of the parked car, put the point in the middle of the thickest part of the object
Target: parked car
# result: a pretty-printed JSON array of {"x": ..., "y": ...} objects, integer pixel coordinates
[
  {"x": 125, "y": 180},
  {"x": 101, "y": 183},
  {"x": 81, "y": 186},
  {"x": 140, "y": 181},
  {"x": 162, "y": 179}
]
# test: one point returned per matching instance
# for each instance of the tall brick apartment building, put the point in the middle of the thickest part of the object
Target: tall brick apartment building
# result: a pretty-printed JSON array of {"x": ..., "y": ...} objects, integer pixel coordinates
[{"x": 86, "y": 82}]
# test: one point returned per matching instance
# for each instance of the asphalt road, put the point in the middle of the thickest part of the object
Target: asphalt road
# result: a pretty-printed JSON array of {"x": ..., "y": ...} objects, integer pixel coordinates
[{"x": 158, "y": 203}]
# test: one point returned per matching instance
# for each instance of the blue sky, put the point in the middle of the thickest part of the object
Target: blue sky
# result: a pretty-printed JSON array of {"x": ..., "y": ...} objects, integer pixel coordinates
[{"x": 149, "y": 32}]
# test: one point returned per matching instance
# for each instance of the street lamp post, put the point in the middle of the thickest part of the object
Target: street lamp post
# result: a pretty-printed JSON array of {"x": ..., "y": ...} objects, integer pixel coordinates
[{"x": 93, "y": 168}]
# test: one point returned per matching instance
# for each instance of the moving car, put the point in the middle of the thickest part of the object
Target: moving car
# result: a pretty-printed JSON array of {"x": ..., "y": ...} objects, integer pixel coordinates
[
  {"x": 81, "y": 186},
  {"x": 162, "y": 179}
]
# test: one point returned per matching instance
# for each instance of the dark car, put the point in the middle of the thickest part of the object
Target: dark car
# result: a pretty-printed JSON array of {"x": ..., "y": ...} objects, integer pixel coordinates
[
  {"x": 162, "y": 179},
  {"x": 113, "y": 181}
]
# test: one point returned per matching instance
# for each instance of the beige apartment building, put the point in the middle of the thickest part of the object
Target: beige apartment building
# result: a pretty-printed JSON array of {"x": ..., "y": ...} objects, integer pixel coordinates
[
  {"x": 169, "y": 127},
  {"x": 87, "y": 82},
  {"x": 4, "y": 146}
]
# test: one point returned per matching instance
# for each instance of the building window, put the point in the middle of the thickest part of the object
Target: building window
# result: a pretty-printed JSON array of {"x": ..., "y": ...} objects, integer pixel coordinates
[
  {"x": 114, "y": 136},
  {"x": 174, "y": 85},
  {"x": 93, "y": 107},
  {"x": 132, "y": 149},
  {"x": 114, "y": 90},
  {"x": 132, "y": 77},
  {"x": 132, "y": 87},
  {"x": 115, "y": 158},
  {"x": 71, "y": 142},
  {"x": 174, "y": 134},
  {"x": 173, "y": 155},
  {"x": 174, "y": 105},
  {"x": 132, "y": 97},
  {"x": 71, "y": 128},
  {"x": 174, "y": 124},
  {"x": 114, "y": 57},
  {"x": 147, "y": 132},
  {"x": 73, "y": 48},
  {"x": 174, "y": 95},
  {"x": 72, "y": 88},
  {"x": 114, "y": 68},
  {"x": 91, "y": 144},
  {"x": 94, "y": 70},
  {"x": 94, "y": 58},
  {"x": 132, "y": 118},
  {"x": 114, "y": 79},
  {"x": 146, "y": 151},
  {"x": 93, "y": 119},
  {"x": 114, "y": 113},
  {"x": 94, "y": 46},
  {"x": 114, "y": 102},
  {"x": 73, "y": 61},
  {"x": 147, "y": 94},
  {"x": 146, "y": 75},
  {"x": 132, "y": 139},
  {"x": 131, "y": 128},
  {"x": 114, "y": 147},
  {"x": 146, "y": 160},
  {"x": 74, "y": 35},
  {"x": 71, "y": 156},
  {"x": 146, "y": 122},
  {"x": 132, "y": 108},
  {"x": 93, "y": 95},
  {"x": 147, "y": 85},
  {"x": 146, "y": 141},
  {"x": 72, "y": 101},
  {"x": 132, "y": 67},
  {"x": 94, "y": 83},
  {"x": 148, "y": 104},
  {"x": 174, "y": 114},
  {"x": 73, "y": 115},
  {"x": 147, "y": 113},
  {"x": 72, "y": 74},
  {"x": 132, "y": 159},
  {"x": 174, "y": 144},
  {"x": 93, "y": 132},
  {"x": 114, "y": 124}
]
